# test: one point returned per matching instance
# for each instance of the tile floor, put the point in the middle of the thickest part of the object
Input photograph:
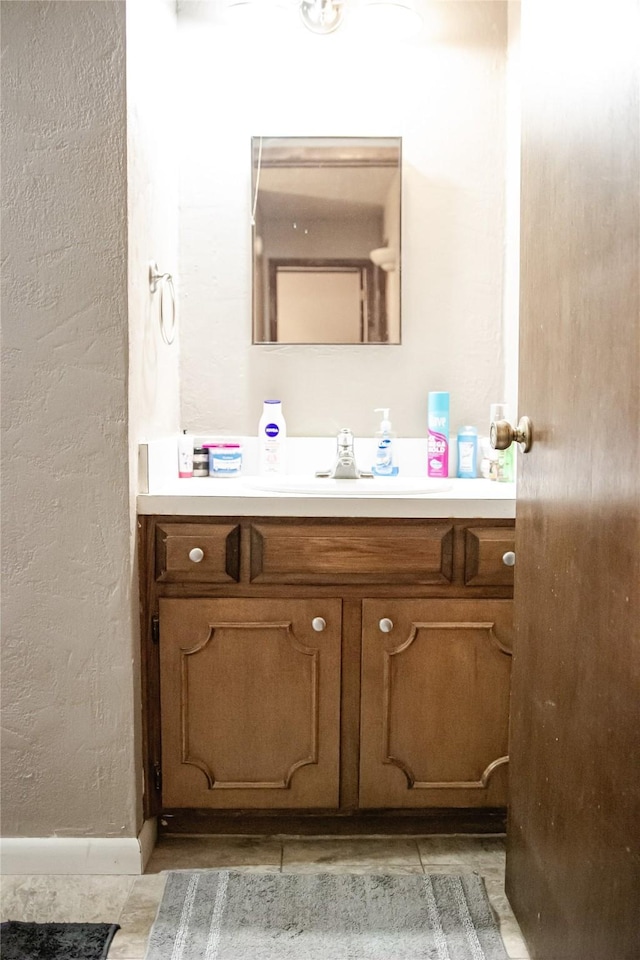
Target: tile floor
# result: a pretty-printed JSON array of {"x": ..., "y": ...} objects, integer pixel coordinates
[{"x": 132, "y": 901}]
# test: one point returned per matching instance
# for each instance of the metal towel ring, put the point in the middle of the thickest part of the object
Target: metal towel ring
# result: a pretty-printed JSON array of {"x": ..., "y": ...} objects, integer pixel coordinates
[{"x": 161, "y": 281}]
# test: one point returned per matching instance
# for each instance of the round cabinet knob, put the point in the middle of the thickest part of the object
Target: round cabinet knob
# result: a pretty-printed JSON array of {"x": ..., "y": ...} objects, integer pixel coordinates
[
  {"x": 509, "y": 558},
  {"x": 196, "y": 555},
  {"x": 386, "y": 625},
  {"x": 318, "y": 624}
]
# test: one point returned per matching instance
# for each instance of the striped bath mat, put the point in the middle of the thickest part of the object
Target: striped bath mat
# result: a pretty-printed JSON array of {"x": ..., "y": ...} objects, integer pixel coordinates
[{"x": 222, "y": 915}]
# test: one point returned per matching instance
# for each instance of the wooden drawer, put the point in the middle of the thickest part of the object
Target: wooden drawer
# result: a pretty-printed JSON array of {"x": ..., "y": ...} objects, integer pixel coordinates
[
  {"x": 347, "y": 553},
  {"x": 219, "y": 544},
  {"x": 485, "y": 548}
]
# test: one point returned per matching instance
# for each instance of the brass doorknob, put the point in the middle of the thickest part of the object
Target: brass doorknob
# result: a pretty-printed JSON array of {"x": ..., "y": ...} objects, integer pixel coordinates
[{"x": 502, "y": 434}]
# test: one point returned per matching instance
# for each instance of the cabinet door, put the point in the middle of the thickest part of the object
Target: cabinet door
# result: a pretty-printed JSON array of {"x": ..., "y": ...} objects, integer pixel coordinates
[
  {"x": 250, "y": 701},
  {"x": 435, "y": 703}
]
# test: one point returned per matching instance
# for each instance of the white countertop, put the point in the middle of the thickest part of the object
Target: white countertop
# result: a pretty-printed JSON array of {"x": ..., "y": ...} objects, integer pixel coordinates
[
  {"x": 210, "y": 497},
  {"x": 163, "y": 493}
]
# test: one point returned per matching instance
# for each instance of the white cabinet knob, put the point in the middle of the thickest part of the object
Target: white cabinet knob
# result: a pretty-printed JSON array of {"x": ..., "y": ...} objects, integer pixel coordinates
[
  {"x": 509, "y": 558},
  {"x": 196, "y": 555},
  {"x": 318, "y": 624},
  {"x": 386, "y": 625}
]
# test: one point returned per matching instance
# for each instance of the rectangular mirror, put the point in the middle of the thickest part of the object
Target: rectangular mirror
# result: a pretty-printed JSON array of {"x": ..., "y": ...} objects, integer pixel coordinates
[{"x": 326, "y": 239}]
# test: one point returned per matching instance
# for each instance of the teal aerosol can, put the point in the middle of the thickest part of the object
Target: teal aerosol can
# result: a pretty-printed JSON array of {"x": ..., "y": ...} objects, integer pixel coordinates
[{"x": 438, "y": 436}]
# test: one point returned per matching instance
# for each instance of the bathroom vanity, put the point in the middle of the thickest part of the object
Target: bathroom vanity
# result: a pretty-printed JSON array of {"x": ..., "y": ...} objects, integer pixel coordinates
[{"x": 346, "y": 664}]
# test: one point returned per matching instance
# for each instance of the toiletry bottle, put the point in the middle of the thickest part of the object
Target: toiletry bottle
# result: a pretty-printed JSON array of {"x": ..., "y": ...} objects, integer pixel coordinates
[
  {"x": 505, "y": 467},
  {"x": 438, "y": 437},
  {"x": 185, "y": 454},
  {"x": 384, "y": 462},
  {"x": 272, "y": 435},
  {"x": 467, "y": 453},
  {"x": 200, "y": 462}
]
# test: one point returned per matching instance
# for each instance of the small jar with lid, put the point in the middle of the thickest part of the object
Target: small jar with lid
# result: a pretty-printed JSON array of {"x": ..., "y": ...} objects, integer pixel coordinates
[
  {"x": 225, "y": 459},
  {"x": 200, "y": 462}
]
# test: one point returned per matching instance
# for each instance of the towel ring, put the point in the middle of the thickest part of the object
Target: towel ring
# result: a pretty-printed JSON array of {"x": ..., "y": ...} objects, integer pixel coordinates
[{"x": 163, "y": 281}]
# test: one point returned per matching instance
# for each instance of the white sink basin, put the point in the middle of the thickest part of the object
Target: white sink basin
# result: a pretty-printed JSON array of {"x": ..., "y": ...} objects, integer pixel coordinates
[{"x": 369, "y": 487}]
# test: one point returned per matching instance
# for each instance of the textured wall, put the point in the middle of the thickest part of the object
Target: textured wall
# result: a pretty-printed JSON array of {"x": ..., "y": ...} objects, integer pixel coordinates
[
  {"x": 68, "y": 639},
  {"x": 444, "y": 93}
]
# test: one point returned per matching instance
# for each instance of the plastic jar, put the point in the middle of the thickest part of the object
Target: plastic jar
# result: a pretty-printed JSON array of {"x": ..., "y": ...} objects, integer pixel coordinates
[
  {"x": 200, "y": 462},
  {"x": 225, "y": 459}
]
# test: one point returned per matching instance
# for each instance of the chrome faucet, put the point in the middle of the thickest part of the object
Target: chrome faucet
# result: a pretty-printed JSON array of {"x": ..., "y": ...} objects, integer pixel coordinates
[{"x": 345, "y": 467}]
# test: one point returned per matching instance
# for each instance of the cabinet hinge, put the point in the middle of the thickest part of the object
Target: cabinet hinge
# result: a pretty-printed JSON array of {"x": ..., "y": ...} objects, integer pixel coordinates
[
  {"x": 157, "y": 776},
  {"x": 155, "y": 628}
]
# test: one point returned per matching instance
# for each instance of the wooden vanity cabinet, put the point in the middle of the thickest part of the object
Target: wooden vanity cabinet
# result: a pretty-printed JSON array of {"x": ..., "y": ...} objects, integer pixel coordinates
[
  {"x": 336, "y": 666},
  {"x": 250, "y": 702},
  {"x": 434, "y": 703}
]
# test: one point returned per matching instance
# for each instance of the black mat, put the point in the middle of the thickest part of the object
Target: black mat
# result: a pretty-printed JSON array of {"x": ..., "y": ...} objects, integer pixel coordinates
[{"x": 55, "y": 941}]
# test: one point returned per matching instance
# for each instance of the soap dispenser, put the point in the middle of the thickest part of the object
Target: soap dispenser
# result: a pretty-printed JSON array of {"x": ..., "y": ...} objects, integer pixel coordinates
[{"x": 384, "y": 461}]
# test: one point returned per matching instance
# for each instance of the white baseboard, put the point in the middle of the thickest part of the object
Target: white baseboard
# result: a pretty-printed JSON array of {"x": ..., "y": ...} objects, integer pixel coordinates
[
  {"x": 78, "y": 855},
  {"x": 147, "y": 838}
]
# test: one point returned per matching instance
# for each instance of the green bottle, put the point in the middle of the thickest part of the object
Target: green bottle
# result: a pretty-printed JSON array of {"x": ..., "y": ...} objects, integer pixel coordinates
[
  {"x": 506, "y": 458},
  {"x": 506, "y": 465}
]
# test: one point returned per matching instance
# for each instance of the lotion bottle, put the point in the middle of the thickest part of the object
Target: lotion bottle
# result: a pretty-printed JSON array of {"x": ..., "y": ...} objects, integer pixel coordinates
[
  {"x": 272, "y": 436},
  {"x": 384, "y": 462},
  {"x": 185, "y": 454}
]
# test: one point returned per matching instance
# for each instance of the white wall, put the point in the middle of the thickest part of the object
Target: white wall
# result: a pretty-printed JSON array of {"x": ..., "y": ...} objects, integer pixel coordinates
[
  {"x": 152, "y": 177},
  {"x": 511, "y": 312},
  {"x": 444, "y": 93},
  {"x": 68, "y": 704}
]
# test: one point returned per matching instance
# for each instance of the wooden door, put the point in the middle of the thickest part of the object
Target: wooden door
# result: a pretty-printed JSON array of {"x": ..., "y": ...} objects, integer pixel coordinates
[
  {"x": 250, "y": 702},
  {"x": 573, "y": 861},
  {"x": 435, "y": 703}
]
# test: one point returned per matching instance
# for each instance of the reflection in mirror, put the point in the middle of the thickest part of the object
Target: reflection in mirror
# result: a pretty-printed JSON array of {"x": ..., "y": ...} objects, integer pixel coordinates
[{"x": 326, "y": 239}]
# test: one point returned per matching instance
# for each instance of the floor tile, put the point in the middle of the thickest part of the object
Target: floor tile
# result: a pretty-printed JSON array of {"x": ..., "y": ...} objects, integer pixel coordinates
[
  {"x": 136, "y": 919},
  {"x": 484, "y": 855},
  {"x": 509, "y": 928},
  {"x": 351, "y": 856},
  {"x": 65, "y": 899},
  {"x": 454, "y": 849},
  {"x": 202, "y": 853},
  {"x": 133, "y": 901}
]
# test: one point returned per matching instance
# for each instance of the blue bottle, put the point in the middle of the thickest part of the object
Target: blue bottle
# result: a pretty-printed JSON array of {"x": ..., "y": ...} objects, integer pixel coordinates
[{"x": 468, "y": 453}]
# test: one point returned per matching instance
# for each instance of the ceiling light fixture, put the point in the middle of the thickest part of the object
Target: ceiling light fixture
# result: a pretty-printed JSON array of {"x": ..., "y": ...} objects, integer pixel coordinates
[{"x": 384, "y": 17}]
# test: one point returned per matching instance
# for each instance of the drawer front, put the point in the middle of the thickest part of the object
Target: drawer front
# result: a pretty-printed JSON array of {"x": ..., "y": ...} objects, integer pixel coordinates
[
  {"x": 484, "y": 563},
  {"x": 198, "y": 553},
  {"x": 349, "y": 553}
]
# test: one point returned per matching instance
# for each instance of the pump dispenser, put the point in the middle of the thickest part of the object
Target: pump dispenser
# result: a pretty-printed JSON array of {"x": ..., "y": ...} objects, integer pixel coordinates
[{"x": 384, "y": 462}]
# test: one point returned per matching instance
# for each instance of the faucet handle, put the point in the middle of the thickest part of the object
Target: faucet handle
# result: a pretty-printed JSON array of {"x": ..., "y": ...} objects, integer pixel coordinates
[{"x": 345, "y": 438}]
